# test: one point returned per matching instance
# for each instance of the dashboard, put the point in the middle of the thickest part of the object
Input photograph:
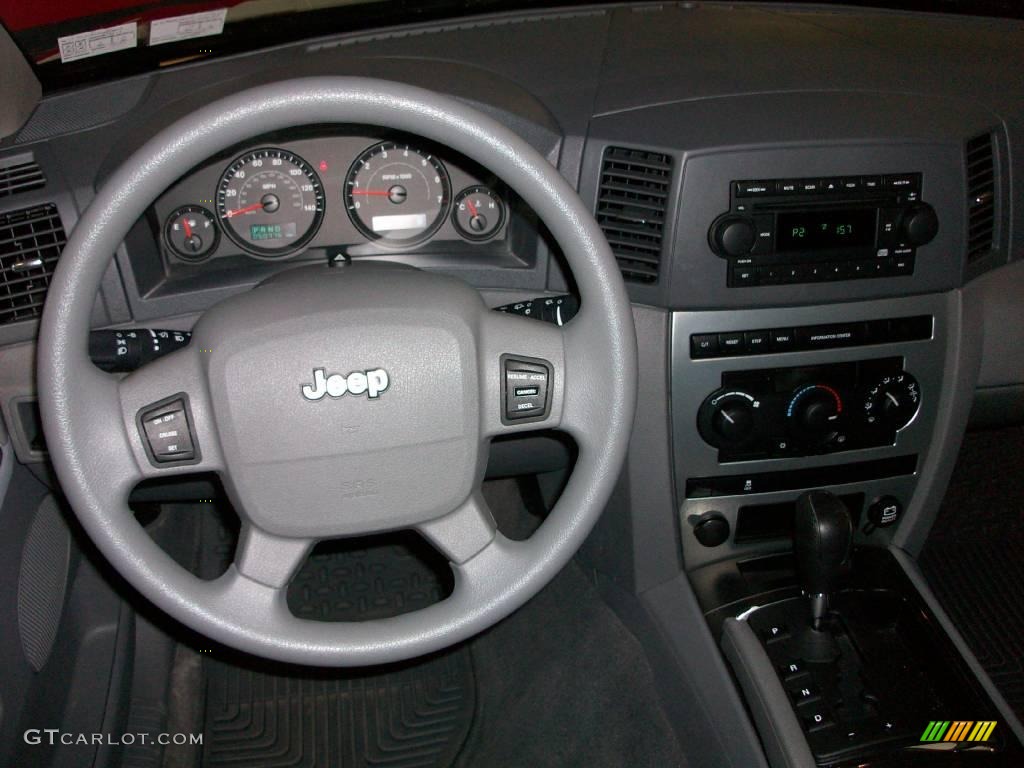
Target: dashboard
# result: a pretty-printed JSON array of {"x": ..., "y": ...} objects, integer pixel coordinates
[
  {"x": 816, "y": 212},
  {"x": 354, "y": 194},
  {"x": 793, "y": 173}
]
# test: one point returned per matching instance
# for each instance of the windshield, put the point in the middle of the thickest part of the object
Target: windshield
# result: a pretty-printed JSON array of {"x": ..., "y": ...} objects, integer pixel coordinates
[{"x": 71, "y": 43}]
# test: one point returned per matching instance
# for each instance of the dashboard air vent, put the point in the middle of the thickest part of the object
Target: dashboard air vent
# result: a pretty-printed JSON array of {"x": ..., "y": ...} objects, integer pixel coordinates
[
  {"x": 631, "y": 206},
  {"x": 31, "y": 240},
  {"x": 22, "y": 175},
  {"x": 981, "y": 192}
]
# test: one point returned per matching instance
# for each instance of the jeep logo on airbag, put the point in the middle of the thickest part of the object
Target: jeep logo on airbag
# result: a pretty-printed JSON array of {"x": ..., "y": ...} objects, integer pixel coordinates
[{"x": 370, "y": 383}]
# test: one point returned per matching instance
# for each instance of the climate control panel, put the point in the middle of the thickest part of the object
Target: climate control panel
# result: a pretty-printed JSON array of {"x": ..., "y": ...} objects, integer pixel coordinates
[{"x": 808, "y": 410}]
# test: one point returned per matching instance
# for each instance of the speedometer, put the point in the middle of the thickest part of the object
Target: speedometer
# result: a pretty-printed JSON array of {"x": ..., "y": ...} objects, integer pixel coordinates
[
  {"x": 270, "y": 201},
  {"x": 397, "y": 195}
]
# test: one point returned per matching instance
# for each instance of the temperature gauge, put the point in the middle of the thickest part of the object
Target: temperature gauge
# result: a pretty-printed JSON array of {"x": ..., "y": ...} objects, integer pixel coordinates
[
  {"x": 191, "y": 232},
  {"x": 478, "y": 213}
]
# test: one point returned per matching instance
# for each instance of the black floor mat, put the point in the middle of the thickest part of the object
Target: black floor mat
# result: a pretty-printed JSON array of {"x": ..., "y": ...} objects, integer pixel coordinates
[
  {"x": 974, "y": 557},
  {"x": 261, "y": 715},
  {"x": 400, "y": 717}
]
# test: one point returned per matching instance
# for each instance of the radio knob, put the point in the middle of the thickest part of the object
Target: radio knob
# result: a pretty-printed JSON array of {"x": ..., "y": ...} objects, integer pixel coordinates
[
  {"x": 920, "y": 224},
  {"x": 729, "y": 419},
  {"x": 733, "y": 235}
]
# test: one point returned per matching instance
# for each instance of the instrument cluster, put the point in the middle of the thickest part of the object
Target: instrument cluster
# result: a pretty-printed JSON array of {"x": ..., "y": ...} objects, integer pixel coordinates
[{"x": 277, "y": 200}]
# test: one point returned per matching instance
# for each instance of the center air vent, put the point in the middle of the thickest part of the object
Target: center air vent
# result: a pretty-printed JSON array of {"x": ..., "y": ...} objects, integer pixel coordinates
[
  {"x": 31, "y": 240},
  {"x": 21, "y": 175},
  {"x": 631, "y": 207},
  {"x": 981, "y": 196}
]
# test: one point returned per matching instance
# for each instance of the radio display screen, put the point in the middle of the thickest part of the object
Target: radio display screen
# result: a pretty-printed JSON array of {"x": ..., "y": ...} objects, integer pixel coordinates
[{"x": 813, "y": 230}]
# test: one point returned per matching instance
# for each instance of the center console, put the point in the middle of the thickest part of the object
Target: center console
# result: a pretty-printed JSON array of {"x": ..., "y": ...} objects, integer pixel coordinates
[{"x": 768, "y": 403}]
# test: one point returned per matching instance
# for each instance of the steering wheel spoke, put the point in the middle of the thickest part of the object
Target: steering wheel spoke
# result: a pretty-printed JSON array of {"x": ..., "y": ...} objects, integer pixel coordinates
[
  {"x": 267, "y": 559},
  {"x": 167, "y": 417},
  {"x": 463, "y": 533},
  {"x": 522, "y": 362}
]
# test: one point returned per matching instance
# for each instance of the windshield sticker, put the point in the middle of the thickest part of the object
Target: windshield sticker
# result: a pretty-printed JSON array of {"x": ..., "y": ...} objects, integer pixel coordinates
[
  {"x": 187, "y": 27},
  {"x": 98, "y": 41}
]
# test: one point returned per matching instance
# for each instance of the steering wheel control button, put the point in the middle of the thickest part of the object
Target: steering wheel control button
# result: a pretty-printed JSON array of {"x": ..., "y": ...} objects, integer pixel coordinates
[
  {"x": 526, "y": 383},
  {"x": 167, "y": 431}
]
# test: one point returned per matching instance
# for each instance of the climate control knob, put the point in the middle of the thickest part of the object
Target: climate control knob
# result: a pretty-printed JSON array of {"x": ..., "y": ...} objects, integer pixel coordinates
[
  {"x": 814, "y": 415},
  {"x": 920, "y": 224},
  {"x": 892, "y": 402},
  {"x": 729, "y": 419},
  {"x": 732, "y": 235}
]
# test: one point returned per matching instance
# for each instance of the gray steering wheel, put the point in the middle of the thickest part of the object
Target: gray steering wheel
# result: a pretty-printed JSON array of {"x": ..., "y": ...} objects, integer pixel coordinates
[{"x": 299, "y": 469}]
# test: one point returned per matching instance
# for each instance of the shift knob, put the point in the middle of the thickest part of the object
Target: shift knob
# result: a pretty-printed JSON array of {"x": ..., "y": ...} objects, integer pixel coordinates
[{"x": 822, "y": 533}]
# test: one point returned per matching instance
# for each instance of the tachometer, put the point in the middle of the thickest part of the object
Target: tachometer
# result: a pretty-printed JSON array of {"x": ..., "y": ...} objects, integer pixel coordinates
[
  {"x": 271, "y": 202},
  {"x": 397, "y": 195}
]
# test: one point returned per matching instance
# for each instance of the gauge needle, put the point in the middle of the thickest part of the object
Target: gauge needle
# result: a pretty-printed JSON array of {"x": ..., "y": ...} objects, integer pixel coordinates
[
  {"x": 371, "y": 192},
  {"x": 472, "y": 208},
  {"x": 247, "y": 209},
  {"x": 188, "y": 227}
]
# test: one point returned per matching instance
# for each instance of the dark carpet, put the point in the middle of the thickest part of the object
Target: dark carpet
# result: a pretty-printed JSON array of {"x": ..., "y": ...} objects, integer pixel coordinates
[
  {"x": 561, "y": 682},
  {"x": 974, "y": 557}
]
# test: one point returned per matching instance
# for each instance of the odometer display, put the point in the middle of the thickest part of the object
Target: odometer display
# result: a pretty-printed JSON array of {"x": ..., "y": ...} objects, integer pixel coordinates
[
  {"x": 271, "y": 202},
  {"x": 397, "y": 195}
]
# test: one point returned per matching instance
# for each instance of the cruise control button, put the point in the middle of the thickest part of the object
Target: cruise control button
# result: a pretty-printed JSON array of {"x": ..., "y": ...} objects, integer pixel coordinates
[
  {"x": 526, "y": 389},
  {"x": 167, "y": 433}
]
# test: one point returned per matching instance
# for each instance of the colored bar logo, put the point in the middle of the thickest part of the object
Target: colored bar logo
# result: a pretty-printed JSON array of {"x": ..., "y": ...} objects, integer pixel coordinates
[{"x": 958, "y": 730}]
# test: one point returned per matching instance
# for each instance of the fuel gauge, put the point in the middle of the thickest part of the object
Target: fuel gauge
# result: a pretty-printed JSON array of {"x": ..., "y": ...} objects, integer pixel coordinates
[
  {"x": 191, "y": 232},
  {"x": 478, "y": 213}
]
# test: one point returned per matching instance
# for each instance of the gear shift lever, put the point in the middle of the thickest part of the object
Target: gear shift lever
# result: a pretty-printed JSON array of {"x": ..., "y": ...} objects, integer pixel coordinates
[{"x": 822, "y": 533}]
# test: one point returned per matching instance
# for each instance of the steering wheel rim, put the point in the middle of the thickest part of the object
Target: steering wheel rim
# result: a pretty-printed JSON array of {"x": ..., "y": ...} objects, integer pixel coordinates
[{"x": 89, "y": 417}]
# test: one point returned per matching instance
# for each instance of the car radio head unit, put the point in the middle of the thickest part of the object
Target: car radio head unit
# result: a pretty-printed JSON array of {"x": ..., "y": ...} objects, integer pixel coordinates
[{"x": 810, "y": 230}]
